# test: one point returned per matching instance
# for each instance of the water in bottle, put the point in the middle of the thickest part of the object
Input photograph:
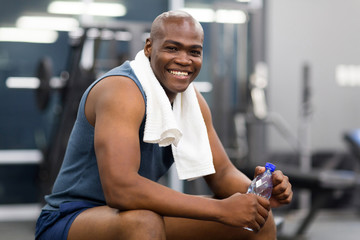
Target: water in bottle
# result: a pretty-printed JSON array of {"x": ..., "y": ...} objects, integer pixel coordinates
[{"x": 262, "y": 184}]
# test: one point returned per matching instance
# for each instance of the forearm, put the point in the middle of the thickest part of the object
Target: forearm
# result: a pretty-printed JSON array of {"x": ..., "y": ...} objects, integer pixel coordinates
[
  {"x": 141, "y": 193},
  {"x": 227, "y": 182},
  {"x": 228, "y": 179}
]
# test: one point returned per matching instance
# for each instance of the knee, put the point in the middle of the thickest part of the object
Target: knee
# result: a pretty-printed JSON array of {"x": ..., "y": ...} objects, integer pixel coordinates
[
  {"x": 144, "y": 224},
  {"x": 145, "y": 219},
  {"x": 269, "y": 229}
]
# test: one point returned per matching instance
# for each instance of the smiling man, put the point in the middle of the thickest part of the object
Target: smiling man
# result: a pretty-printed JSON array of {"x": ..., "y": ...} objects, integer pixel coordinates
[
  {"x": 184, "y": 41},
  {"x": 132, "y": 125}
]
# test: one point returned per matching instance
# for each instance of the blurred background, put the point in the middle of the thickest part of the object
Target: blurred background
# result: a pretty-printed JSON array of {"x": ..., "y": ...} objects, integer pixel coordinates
[{"x": 282, "y": 79}]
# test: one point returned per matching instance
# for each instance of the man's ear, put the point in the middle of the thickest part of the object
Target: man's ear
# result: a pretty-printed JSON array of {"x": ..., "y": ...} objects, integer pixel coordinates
[{"x": 148, "y": 47}]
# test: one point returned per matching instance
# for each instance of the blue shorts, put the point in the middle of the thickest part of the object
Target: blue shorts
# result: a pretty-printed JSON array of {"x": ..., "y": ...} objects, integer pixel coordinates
[{"x": 55, "y": 225}]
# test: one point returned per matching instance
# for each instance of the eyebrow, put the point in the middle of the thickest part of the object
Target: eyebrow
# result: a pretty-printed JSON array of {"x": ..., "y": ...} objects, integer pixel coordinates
[{"x": 180, "y": 44}]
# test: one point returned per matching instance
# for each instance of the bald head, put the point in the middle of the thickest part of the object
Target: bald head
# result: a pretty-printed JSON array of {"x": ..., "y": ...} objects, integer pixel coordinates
[{"x": 157, "y": 27}]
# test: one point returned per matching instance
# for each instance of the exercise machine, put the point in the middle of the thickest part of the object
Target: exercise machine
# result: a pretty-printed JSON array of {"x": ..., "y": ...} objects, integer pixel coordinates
[{"x": 326, "y": 184}]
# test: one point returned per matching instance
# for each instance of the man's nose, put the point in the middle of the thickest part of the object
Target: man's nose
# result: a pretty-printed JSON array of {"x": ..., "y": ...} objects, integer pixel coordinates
[{"x": 183, "y": 58}]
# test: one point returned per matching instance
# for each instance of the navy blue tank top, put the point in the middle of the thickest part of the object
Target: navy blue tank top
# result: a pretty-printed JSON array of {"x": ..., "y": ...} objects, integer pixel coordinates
[{"x": 78, "y": 179}]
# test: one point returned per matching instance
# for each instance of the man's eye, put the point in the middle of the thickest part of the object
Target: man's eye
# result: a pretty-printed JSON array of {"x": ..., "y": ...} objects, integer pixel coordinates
[
  {"x": 196, "y": 53},
  {"x": 171, "y": 48}
]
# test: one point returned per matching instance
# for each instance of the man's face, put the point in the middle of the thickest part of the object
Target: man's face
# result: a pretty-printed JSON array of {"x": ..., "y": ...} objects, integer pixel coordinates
[{"x": 176, "y": 55}]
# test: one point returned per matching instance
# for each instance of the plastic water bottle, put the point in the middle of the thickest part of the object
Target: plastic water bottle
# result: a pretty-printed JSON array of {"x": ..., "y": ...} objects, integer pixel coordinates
[{"x": 262, "y": 184}]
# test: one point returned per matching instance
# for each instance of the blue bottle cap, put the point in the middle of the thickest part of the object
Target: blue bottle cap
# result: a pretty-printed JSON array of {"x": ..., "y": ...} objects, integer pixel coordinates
[{"x": 270, "y": 166}]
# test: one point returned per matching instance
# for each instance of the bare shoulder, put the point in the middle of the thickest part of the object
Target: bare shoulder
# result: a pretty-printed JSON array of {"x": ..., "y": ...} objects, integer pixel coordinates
[{"x": 114, "y": 95}]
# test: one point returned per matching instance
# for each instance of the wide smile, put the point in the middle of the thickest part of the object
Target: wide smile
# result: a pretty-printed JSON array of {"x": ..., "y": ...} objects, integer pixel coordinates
[{"x": 179, "y": 74}]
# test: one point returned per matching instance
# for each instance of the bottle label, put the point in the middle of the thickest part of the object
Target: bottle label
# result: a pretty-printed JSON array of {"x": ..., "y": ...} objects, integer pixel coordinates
[{"x": 258, "y": 183}]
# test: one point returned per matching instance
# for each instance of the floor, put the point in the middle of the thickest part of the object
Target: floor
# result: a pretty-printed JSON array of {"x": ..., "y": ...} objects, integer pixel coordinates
[
  {"x": 19, "y": 230},
  {"x": 17, "y": 222},
  {"x": 328, "y": 224}
]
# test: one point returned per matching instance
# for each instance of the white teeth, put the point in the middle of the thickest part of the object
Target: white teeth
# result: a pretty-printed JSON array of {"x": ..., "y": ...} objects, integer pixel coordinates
[{"x": 178, "y": 73}]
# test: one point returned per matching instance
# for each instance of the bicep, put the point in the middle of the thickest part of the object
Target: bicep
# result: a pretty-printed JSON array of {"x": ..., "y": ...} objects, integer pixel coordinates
[{"x": 119, "y": 110}]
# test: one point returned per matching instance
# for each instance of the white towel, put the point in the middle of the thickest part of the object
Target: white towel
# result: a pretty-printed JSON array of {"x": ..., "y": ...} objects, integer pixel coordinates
[{"x": 182, "y": 125}]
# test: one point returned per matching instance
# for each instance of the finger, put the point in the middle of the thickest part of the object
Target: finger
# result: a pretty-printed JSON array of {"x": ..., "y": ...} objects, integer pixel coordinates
[
  {"x": 263, "y": 212},
  {"x": 289, "y": 199},
  {"x": 259, "y": 170},
  {"x": 282, "y": 199},
  {"x": 254, "y": 226},
  {"x": 264, "y": 203},
  {"x": 282, "y": 186},
  {"x": 261, "y": 220},
  {"x": 277, "y": 177},
  {"x": 285, "y": 197},
  {"x": 262, "y": 216}
]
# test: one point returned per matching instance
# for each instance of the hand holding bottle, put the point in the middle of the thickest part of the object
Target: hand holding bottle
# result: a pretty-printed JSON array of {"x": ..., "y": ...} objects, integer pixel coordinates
[
  {"x": 262, "y": 184},
  {"x": 245, "y": 210},
  {"x": 282, "y": 190}
]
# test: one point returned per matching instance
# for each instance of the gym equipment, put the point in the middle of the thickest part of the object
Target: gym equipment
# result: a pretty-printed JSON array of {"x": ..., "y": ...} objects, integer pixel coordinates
[
  {"x": 352, "y": 138},
  {"x": 44, "y": 74},
  {"x": 325, "y": 185}
]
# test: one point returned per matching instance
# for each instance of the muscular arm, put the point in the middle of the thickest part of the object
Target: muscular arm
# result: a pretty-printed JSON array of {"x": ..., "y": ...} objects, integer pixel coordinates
[
  {"x": 116, "y": 108},
  {"x": 228, "y": 179},
  {"x": 117, "y": 114}
]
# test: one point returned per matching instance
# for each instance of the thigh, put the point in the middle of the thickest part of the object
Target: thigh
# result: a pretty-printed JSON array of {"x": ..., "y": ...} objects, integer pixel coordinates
[
  {"x": 108, "y": 223},
  {"x": 182, "y": 228}
]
